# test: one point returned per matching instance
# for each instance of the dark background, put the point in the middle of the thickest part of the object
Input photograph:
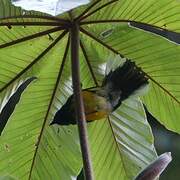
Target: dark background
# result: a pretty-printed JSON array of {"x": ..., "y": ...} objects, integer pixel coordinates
[{"x": 167, "y": 141}]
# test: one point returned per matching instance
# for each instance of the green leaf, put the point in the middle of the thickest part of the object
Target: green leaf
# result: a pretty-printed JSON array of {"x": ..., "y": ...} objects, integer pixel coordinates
[
  {"x": 36, "y": 44},
  {"x": 9, "y": 103},
  {"x": 158, "y": 58},
  {"x": 28, "y": 142},
  {"x": 164, "y": 14},
  {"x": 122, "y": 145},
  {"x": 169, "y": 35},
  {"x": 7, "y": 178}
]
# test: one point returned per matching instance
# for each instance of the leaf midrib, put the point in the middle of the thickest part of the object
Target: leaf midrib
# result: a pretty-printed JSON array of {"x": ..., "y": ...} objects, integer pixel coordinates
[
  {"x": 117, "y": 52},
  {"x": 49, "y": 107},
  {"x": 36, "y": 60}
]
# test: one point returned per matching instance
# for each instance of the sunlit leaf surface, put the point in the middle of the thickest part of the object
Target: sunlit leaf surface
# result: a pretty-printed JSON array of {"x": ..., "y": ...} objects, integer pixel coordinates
[{"x": 36, "y": 44}]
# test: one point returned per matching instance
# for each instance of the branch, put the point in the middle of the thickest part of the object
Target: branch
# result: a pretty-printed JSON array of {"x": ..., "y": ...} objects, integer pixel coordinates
[
  {"x": 79, "y": 107},
  {"x": 40, "y": 56},
  {"x": 30, "y": 37}
]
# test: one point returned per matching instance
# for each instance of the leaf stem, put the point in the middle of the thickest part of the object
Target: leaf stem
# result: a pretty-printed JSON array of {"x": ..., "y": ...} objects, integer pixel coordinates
[{"x": 79, "y": 107}]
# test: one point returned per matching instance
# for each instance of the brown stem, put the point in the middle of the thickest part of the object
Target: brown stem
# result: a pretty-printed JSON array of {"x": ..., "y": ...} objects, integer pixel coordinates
[
  {"x": 86, "y": 10},
  {"x": 49, "y": 108},
  {"x": 88, "y": 63},
  {"x": 98, "y": 9},
  {"x": 30, "y": 37},
  {"x": 103, "y": 21},
  {"x": 40, "y": 56},
  {"x": 79, "y": 107},
  {"x": 30, "y": 16},
  {"x": 24, "y": 23},
  {"x": 100, "y": 41}
]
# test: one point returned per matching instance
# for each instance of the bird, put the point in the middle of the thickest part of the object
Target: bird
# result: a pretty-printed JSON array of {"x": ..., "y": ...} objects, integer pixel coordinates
[{"x": 99, "y": 102}]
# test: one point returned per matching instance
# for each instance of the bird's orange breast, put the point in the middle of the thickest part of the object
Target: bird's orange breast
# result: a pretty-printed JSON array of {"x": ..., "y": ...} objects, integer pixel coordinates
[{"x": 96, "y": 107}]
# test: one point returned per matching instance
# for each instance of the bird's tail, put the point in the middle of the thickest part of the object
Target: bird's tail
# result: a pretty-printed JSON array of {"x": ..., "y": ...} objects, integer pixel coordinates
[{"x": 124, "y": 81}]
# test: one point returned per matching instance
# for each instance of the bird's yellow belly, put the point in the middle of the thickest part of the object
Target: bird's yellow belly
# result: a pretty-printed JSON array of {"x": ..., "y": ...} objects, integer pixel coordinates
[
  {"x": 96, "y": 116},
  {"x": 96, "y": 107}
]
